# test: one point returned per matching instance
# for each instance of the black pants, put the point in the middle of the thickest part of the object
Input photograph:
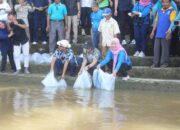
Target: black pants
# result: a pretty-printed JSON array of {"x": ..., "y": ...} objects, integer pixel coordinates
[
  {"x": 86, "y": 19},
  {"x": 174, "y": 46},
  {"x": 123, "y": 69},
  {"x": 8, "y": 53},
  {"x": 124, "y": 22},
  {"x": 31, "y": 25}
]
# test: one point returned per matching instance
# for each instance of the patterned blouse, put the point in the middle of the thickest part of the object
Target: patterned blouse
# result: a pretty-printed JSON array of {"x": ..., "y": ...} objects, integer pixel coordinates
[
  {"x": 95, "y": 54},
  {"x": 67, "y": 56}
]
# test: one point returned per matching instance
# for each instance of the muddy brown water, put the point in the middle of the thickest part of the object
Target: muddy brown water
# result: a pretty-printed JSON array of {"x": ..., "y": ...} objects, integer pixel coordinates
[{"x": 33, "y": 107}]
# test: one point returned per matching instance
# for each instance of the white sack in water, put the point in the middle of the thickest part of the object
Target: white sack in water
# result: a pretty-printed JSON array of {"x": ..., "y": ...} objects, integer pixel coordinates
[
  {"x": 62, "y": 84},
  {"x": 83, "y": 81},
  {"x": 50, "y": 80},
  {"x": 103, "y": 80}
]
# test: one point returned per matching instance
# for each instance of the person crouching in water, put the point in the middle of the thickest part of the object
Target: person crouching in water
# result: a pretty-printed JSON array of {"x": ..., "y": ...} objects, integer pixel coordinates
[
  {"x": 63, "y": 59},
  {"x": 121, "y": 61},
  {"x": 6, "y": 47},
  {"x": 20, "y": 41},
  {"x": 91, "y": 57}
]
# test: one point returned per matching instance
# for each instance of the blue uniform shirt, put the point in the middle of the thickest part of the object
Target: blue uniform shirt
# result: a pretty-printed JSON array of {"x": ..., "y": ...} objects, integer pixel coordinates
[
  {"x": 145, "y": 12},
  {"x": 57, "y": 11},
  {"x": 164, "y": 19},
  {"x": 95, "y": 19}
]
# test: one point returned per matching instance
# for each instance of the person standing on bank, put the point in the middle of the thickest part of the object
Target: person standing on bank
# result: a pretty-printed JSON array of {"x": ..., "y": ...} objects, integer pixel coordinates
[
  {"x": 4, "y": 10},
  {"x": 73, "y": 16},
  {"x": 91, "y": 57},
  {"x": 141, "y": 17},
  {"x": 20, "y": 41},
  {"x": 96, "y": 17},
  {"x": 63, "y": 59},
  {"x": 121, "y": 9},
  {"x": 57, "y": 13},
  {"x": 40, "y": 7},
  {"x": 22, "y": 9},
  {"x": 6, "y": 47},
  {"x": 121, "y": 60},
  {"x": 108, "y": 29},
  {"x": 163, "y": 20}
]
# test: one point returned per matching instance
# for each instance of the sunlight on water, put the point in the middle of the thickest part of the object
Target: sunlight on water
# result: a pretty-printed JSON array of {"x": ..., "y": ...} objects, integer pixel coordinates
[{"x": 39, "y": 108}]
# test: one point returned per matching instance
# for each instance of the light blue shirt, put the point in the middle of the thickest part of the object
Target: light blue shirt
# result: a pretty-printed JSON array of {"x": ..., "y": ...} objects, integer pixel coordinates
[
  {"x": 96, "y": 17},
  {"x": 57, "y": 11}
]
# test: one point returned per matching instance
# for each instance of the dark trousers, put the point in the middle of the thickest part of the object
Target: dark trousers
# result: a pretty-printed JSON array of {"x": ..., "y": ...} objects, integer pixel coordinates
[
  {"x": 161, "y": 51},
  {"x": 8, "y": 53},
  {"x": 39, "y": 21},
  {"x": 125, "y": 21},
  {"x": 123, "y": 69},
  {"x": 95, "y": 39},
  {"x": 31, "y": 25},
  {"x": 86, "y": 19},
  {"x": 59, "y": 65},
  {"x": 174, "y": 46},
  {"x": 140, "y": 35}
]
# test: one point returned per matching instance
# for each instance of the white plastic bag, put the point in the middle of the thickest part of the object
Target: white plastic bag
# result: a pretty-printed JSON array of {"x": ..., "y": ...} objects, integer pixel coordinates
[
  {"x": 36, "y": 58},
  {"x": 83, "y": 81},
  {"x": 62, "y": 84},
  {"x": 103, "y": 80},
  {"x": 50, "y": 80},
  {"x": 97, "y": 79}
]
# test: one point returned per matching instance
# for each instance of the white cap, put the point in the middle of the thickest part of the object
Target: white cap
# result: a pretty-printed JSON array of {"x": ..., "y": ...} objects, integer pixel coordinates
[{"x": 64, "y": 43}]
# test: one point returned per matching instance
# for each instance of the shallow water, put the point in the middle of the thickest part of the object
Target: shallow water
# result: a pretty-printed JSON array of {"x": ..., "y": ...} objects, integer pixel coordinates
[{"x": 39, "y": 108}]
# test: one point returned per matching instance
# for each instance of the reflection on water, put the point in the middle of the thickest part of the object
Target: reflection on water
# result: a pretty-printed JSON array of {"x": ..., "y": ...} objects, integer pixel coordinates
[{"x": 39, "y": 108}]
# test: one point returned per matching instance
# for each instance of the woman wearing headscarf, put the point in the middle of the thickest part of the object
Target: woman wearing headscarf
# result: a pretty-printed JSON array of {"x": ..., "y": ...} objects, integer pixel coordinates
[
  {"x": 121, "y": 61},
  {"x": 141, "y": 17}
]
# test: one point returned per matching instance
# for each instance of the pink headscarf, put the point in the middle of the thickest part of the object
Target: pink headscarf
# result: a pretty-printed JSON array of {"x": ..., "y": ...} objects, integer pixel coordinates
[
  {"x": 116, "y": 51},
  {"x": 144, "y": 2}
]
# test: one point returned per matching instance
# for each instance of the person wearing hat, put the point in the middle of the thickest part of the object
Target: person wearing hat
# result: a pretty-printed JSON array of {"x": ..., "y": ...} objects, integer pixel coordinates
[
  {"x": 90, "y": 59},
  {"x": 63, "y": 59},
  {"x": 108, "y": 29}
]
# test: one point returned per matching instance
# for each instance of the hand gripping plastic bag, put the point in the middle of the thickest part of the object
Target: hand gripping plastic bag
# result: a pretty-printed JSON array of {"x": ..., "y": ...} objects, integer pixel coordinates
[
  {"x": 50, "y": 80},
  {"x": 83, "y": 81},
  {"x": 103, "y": 80}
]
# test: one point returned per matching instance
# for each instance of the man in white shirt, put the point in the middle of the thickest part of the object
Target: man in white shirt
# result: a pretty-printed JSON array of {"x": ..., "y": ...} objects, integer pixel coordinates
[
  {"x": 85, "y": 15},
  {"x": 4, "y": 10},
  {"x": 108, "y": 29}
]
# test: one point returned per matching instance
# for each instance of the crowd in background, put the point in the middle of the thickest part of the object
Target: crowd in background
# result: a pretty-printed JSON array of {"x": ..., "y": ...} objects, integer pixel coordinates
[{"x": 47, "y": 21}]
